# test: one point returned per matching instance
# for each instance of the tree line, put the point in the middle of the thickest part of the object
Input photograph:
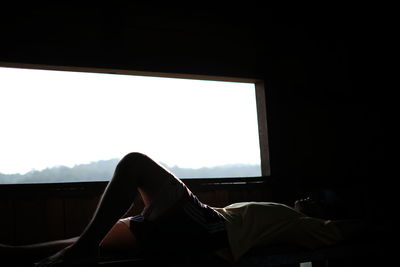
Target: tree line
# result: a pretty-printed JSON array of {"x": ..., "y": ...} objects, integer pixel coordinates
[{"x": 103, "y": 170}]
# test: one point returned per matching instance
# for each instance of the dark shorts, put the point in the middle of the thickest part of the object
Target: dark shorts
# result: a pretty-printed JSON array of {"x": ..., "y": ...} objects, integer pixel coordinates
[{"x": 188, "y": 226}]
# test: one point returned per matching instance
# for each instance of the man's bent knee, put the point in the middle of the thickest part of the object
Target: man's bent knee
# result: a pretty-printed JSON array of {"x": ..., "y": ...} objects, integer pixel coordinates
[{"x": 133, "y": 158}]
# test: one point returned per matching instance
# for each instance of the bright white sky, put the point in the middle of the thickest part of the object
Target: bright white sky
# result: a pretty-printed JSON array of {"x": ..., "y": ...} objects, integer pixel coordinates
[{"x": 52, "y": 118}]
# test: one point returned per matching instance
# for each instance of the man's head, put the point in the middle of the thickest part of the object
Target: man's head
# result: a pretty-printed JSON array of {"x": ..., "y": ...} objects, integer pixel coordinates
[{"x": 309, "y": 207}]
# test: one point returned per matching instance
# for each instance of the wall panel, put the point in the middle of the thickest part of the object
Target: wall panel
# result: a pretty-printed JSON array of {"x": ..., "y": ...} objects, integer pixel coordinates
[
  {"x": 55, "y": 219},
  {"x": 30, "y": 223},
  {"x": 7, "y": 221},
  {"x": 78, "y": 212}
]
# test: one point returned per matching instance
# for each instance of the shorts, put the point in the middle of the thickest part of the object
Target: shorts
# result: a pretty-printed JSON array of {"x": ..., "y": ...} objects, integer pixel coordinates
[{"x": 187, "y": 226}]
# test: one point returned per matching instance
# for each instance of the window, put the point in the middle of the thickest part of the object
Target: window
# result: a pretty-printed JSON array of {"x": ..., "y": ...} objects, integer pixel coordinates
[{"x": 74, "y": 125}]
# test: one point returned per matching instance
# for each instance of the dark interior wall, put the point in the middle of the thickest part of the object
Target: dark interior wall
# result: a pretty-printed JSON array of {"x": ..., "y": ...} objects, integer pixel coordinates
[
  {"x": 171, "y": 39},
  {"x": 328, "y": 106},
  {"x": 324, "y": 113}
]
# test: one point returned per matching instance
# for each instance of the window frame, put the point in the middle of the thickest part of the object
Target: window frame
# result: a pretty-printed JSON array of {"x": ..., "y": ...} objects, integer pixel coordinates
[{"x": 203, "y": 182}]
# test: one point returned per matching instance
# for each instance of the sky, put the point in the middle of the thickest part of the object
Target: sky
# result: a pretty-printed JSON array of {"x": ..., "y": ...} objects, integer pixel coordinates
[{"x": 61, "y": 118}]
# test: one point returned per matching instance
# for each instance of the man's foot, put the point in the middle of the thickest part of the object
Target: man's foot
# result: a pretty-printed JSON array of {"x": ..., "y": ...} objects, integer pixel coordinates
[{"x": 69, "y": 256}]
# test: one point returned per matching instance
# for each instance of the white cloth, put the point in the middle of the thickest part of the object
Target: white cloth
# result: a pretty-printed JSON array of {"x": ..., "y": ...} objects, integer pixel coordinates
[{"x": 251, "y": 224}]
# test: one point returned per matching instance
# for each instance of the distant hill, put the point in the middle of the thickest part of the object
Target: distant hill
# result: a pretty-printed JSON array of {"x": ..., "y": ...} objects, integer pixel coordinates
[
  {"x": 222, "y": 171},
  {"x": 103, "y": 170}
]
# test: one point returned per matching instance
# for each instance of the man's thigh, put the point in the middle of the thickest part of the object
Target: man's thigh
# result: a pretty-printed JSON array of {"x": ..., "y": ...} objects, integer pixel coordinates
[{"x": 119, "y": 240}]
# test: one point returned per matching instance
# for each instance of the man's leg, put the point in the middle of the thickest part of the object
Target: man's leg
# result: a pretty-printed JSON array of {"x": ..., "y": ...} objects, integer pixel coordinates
[
  {"x": 34, "y": 252},
  {"x": 134, "y": 172},
  {"x": 119, "y": 241}
]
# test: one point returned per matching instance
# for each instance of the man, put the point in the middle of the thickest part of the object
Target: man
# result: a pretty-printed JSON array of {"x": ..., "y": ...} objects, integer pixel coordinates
[{"x": 175, "y": 221}]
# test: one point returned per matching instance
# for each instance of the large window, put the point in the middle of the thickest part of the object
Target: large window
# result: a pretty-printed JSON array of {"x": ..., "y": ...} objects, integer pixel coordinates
[{"x": 69, "y": 126}]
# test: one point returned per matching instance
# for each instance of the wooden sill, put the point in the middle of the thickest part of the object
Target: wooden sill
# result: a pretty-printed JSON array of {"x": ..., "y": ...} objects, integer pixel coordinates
[{"x": 8, "y": 191}]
